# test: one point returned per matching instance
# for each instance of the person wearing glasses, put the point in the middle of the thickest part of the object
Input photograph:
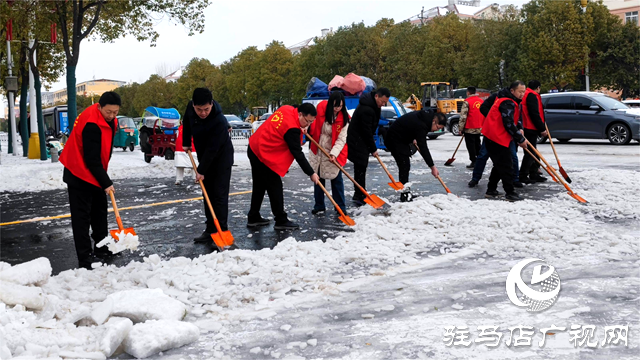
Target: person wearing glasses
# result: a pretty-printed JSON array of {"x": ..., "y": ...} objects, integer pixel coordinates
[
  {"x": 412, "y": 128},
  {"x": 272, "y": 149},
  {"x": 330, "y": 131}
]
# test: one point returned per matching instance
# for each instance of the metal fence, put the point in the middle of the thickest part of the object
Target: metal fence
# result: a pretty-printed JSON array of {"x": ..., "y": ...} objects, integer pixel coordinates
[{"x": 240, "y": 139}]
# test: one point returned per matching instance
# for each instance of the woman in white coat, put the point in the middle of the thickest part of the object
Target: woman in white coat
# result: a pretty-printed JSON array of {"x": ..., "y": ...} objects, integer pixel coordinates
[{"x": 330, "y": 131}]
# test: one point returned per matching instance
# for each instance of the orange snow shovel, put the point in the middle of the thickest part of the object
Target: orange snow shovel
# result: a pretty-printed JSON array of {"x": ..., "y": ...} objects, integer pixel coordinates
[
  {"x": 553, "y": 172},
  {"x": 370, "y": 199},
  {"x": 396, "y": 185},
  {"x": 453, "y": 157},
  {"x": 564, "y": 173},
  {"x": 115, "y": 234},
  {"x": 343, "y": 217},
  {"x": 221, "y": 239},
  {"x": 445, "y": 186}
]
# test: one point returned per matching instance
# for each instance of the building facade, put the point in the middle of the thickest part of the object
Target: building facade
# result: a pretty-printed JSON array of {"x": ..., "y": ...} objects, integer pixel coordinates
[
  {"x": 626, "y": 10},
  {"x": 88, "y": 88}
]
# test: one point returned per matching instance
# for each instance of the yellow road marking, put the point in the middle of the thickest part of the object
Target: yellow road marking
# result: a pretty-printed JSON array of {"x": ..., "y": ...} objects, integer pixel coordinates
[{"x": 119, "y": 208}]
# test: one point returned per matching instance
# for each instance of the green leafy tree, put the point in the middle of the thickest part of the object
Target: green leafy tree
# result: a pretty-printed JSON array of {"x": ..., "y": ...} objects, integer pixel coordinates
[
  {"x": 554, "y": 43},
  {"x": 155, "y": 92},
  {"x": 617, "y": 64},
  {"x": 109, "y": 20},
  {"x": 194, "y": 75},
  {"x": 127, "y": 94},
  {"x": 275, "y": 65}
]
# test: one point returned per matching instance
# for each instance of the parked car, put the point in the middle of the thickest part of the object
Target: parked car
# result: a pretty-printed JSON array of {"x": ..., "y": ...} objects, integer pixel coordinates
[
  {"x": 256, "y": 124},
  {"x": 236, "y": 123},
  {"x": 590, "y": 115},
  {"x": 632, "y": 103}
]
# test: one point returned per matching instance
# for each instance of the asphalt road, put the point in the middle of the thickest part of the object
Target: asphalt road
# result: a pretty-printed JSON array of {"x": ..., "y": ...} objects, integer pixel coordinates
[{"x": 168, "y": 230}]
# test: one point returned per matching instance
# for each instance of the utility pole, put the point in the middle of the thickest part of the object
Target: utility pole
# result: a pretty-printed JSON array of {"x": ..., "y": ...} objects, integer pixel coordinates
[
  {"x": 34, "y": 138},
  {"x": 11, "y": 86},
  {"x": 583, "y": 3}
]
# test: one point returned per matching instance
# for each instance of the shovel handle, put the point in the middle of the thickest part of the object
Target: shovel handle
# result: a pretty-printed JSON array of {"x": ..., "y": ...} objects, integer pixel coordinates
[
  {"x": 330, "y": 198},
  {"x": 115, "y": 211},
  {"x": 443, "y": 184},
  {"x": 551, "y": 170},
  {"x": 553, "y": 147},
  {"x": 385, "y": 169},
  {"x": 204, "y": 192},
  {"x": 338, "y": 165},
  {"x": 457, "y": 147}
]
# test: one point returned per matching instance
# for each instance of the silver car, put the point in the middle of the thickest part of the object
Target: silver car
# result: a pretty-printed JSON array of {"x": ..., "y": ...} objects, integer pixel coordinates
[{"x": 590, "y": 115}]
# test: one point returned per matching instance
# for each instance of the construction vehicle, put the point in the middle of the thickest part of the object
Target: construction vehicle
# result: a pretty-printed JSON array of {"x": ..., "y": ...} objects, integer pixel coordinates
[
  {"x": 437, "y": 96},
  {"x": 256, "y": 112}
]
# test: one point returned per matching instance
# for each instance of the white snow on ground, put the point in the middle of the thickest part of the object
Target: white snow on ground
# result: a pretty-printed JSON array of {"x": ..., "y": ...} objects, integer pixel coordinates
[
  {"x": 231, "y": 288},
  {"x": 20, "y": 174}
]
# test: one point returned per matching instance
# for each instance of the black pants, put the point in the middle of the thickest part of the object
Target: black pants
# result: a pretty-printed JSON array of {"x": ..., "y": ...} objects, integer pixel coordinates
[
  {"x": 360, "y": 176},
  {"x": 402, "y": 154},
  {"x": 502, "y": 166},
  {"x": 88, "y": 210},
  {"x": 529, "y": 165},
  {"x": 473, "y": 145},
  {"x": 217, "y": 186},
  {"x": 265, "y": 180}
]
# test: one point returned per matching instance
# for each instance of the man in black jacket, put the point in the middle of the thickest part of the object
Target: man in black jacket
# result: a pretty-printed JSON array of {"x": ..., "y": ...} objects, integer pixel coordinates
[
  {"x": 205, "y": 121},
  {"x": 362, "y": 128},
  {"x": 86, "y": 158},
  {"x": 412, "y": 128},
  {"x": 483, "y": 156},
  {"x": 533, "y": 124}
]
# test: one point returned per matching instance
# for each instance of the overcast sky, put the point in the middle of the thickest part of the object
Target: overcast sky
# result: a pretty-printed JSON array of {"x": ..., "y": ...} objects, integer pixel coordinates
[{"x": 232, "y": 26}]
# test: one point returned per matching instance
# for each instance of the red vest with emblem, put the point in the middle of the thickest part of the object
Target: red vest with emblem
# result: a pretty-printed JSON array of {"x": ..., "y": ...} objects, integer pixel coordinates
[
  {"x": 526, "y": 120},
  {"x": 336, "y": 127},
  {"x": 268, "y": 141},
  {"x": 72, "y": 156},
  {"x": 493, "y": 128},
  {"x": 474, "y": 116}
]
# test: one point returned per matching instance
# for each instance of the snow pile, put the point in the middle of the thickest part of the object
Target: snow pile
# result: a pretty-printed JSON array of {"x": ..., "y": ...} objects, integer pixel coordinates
[
  {"x": 16, "y": 282},
  {"x": 127, "y": 241},
  {"x": 220, "y": 289}
]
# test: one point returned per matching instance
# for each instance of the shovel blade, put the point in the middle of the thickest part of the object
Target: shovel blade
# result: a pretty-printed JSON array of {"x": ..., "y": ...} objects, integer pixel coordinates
[
  {"x": 396, "y": 185},
  {"x": 115, "y": 234},
  {"x": 374, "y": 201},
  {"x": 578, "y": 197},
  {"x": 564, "y": 175},
  {"x": 222, "y": 239},
  {"x": 449, "y": 162},
  {"x": 347, "y": 220}
]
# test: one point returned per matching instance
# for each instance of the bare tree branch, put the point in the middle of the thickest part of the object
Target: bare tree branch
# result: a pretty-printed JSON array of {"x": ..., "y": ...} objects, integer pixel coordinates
[{"x": 94, "y": 21}]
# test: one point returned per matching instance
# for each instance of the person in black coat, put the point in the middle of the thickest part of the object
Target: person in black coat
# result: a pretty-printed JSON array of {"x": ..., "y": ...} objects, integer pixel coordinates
[
  {"x": 412, "y": 128},
  {"x": 204, "y": 121},
  {"x": 360, "y": 142},
  {"x": 534, "y": 126}
]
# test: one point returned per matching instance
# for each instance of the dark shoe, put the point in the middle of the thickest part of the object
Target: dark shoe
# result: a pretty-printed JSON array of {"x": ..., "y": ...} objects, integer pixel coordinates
[
  {"x": 288, "y": 225},
  {"x": 538, "y": 178},
  {"x": 513, "y": 197},
  {"x": 526, "y": 180},
  {"x": 492, "y": 194},
  {"x": 86, "y": 262},
  {"x": 204, "y": 238},
  {"x": 407, "y": 197},
  {"x": 102, "y": 252},
  {"x": 358, "y": 203},
  {"x": 315, "y": 211},
  {"x": 472, "y": 183},
  {"x": 518, "y": 184},
  {"x": 258, "y": 222},
  {"x": 471, "y": 165}
]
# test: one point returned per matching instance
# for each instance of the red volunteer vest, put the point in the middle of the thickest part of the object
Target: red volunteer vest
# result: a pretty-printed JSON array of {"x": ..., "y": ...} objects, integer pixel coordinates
[
  {"x": 268, "y": 141},
  {"x": 179, "y": 142},
  {"x": 474, "y": 116},
  {"x": 493, "y": 129},
  {"x": 526, "y": 120},
  {"x": 336, "y": 127},
  {"x": 72, "y": 156}
]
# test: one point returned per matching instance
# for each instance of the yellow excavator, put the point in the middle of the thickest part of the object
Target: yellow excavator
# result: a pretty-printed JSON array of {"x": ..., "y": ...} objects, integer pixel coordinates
[
  {"x": 256, "y": 112},
  {"x": 436, "y": 95}
]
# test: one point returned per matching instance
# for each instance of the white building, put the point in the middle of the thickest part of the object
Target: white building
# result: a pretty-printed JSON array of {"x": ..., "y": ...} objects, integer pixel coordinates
[{"x": 297, "y": 47}]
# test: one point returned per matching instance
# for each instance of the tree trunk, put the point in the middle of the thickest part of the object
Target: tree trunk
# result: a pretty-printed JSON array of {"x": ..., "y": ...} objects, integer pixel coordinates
[
  {"x": 72, "y": 109},
  {"x": 24, "y": 122},
  {"x": 43, "y": 145}
]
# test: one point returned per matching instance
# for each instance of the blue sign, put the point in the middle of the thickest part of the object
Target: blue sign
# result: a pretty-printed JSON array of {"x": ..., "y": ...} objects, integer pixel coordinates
[{"x": 64, "y": 121}]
